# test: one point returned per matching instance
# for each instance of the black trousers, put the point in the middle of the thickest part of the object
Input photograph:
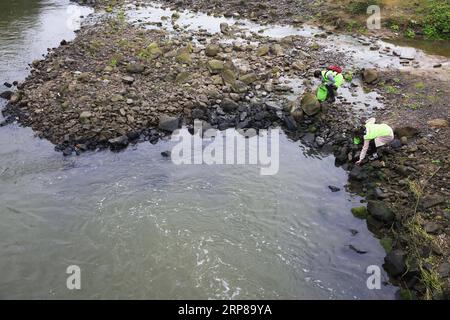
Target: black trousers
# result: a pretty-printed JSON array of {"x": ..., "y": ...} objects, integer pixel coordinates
[
  {"x": 331, "y": 93},
  {"x": 372, "y": 148}
]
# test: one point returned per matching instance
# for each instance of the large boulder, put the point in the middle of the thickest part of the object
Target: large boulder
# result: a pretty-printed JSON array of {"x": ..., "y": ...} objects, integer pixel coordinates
[
  {"x": 168, "y": 123},
  {"x": 408, "y": 132},
  {"x": 380, "y": 211},
  {"x": 310, "y": 105},
  {"x": 370, "y": 76}
]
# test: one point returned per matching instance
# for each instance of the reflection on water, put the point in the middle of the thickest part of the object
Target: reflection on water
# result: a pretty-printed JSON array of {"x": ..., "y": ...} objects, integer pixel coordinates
[
  {"x": 27, "y": 29},
  {"x": 441, "y": 48}
]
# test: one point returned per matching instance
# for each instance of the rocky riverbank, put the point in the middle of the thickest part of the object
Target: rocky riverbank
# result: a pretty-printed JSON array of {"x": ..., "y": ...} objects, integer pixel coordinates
[{"x": 117, "y": 84}]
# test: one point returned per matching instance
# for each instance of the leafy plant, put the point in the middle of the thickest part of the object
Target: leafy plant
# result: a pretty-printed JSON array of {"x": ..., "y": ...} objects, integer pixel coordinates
[
  {"x": 410, "y": 33},
  {"x": 395, "y": 27}
]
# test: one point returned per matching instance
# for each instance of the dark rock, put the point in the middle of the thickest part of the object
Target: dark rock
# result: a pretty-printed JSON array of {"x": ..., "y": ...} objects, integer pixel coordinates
[
  {"x": 133, "y": 135},
  {"x": 198, "y": 113},
  {"x": 334, "y": 189},
  {"x": 153, "y": 139},
  {"x": 166, "y": 154},
  {"x": 229, "y": 105},
  {"x": 430, "y": 201},
  {"x": 432, "y": 227},
  {"x": 394, "y": 263},
  {"x": 290, "y": 123},
  {"x": 444, "y": 269},
  {"x": 7, "y": 84},
  {"x": 6, "y": 95},
  {"x": 308, "y": 138},
  {"x": 380, "y": 211},
  {"x": 67, "y": 151},
  {"x": 357, "y": 174},
  {"x": 63, "y": 42},
  {"x": 396, "y": 144},
  {"x": 374, "y": 225},
  {"x": 118, "y": 143},
  {"x": 168, "y": 123}
]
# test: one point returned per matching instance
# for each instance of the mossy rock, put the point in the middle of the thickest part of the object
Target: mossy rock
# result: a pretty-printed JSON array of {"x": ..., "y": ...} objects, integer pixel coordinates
[
  {"x": 184, "y": 58},
  {"x": 154, "y": 49},
  {"x": 360, "y": 212},
  {"x": 249, "y": 78},
  {"x": 405, "y": 294},
  {"x": 183, "y": 77},
  {"x": 215, "y": 66},
  {"x": 212, "y": 50},
  {"x": 229, "y": 76},
  {"x": 263, "y": 50},
  {"x": 386, "y": 243}
]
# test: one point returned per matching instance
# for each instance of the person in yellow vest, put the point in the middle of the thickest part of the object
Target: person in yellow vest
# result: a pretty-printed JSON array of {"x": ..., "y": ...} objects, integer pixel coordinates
[
  {"x": 332, "y": 80},
  {"x": 375, "y": 136}
]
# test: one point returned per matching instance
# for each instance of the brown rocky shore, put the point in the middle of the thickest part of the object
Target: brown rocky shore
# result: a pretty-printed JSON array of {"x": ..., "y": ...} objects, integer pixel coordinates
[{"x": 118, "y": 84}]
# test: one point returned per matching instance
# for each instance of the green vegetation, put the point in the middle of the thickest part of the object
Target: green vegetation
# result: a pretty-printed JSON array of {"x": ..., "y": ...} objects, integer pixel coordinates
[
  {"x": 419, "y": 85},
  {"x": 410, "y": 33},
  {"x": 360, "y": 212},
  {"x": 436, "y": 21},
  {"x": 360, "y": 6},
  {"x": 386, "y": 243},
  {"x": 391, "y": 90},
  {"x": 395, "y": 27}
]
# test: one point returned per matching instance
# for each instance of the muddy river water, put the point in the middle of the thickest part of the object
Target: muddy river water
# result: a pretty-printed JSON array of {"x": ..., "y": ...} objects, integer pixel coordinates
[{"x": 139, "y": 226}]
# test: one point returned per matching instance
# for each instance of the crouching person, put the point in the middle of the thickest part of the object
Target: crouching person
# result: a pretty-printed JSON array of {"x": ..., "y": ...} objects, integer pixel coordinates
[{"x": 375, "y": 136}]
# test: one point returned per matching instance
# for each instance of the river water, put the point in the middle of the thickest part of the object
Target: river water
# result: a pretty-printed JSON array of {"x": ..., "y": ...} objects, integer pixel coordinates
[{"x": 139, "y": 226}]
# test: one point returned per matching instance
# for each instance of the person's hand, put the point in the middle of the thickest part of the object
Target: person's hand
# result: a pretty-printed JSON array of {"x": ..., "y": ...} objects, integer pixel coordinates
[{"x": 358, "y": 163}]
